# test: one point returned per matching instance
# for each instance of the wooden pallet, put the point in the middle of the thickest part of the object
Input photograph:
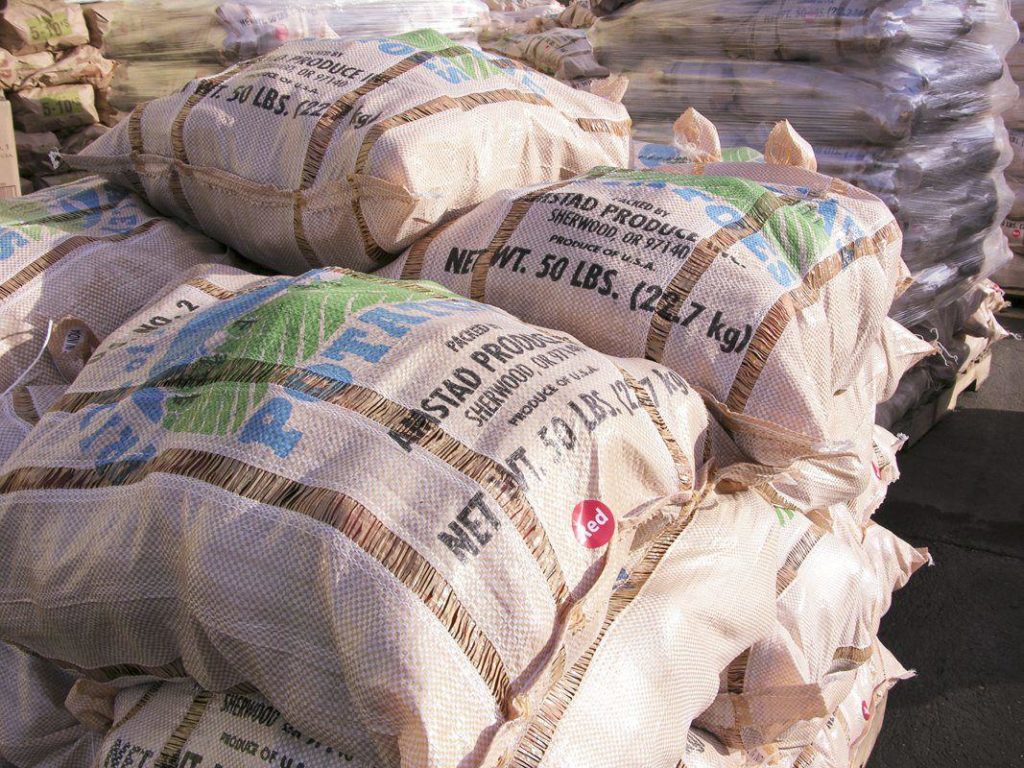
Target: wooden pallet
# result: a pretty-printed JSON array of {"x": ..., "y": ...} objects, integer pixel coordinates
[{"x": 924, "y": 417}]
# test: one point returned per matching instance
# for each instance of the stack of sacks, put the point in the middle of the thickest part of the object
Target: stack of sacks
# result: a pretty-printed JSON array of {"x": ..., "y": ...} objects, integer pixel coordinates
[
  {"x": 198, "y": 37},
  {"x": 481, "y": 606},
  {"x": 900, "y": 97},
  {"x": 1013, "y": 227},
  {"x": 742, "y": 270},
  {"x": 694, "y": 139},
  {"x": 57, "y": 80},
  {"x": 605, "y": 520}
]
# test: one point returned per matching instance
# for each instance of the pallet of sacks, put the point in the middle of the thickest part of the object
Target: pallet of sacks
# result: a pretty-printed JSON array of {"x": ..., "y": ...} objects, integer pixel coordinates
[
  {"x": 901, "y": 98},
  {"x": 631, "y": 414},
  {"x": 198, "y": 38},
  {"x": 58, "y": 81}
]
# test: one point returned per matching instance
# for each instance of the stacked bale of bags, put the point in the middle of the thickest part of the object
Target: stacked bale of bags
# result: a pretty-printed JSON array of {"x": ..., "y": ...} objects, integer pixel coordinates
[
  {"x": 631, "y": 416},
  {"x": 901, "y": 98},
  {"x": 58, "y": 80}
]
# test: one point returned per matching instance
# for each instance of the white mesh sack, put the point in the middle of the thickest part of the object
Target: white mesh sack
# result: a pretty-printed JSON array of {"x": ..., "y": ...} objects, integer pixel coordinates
[
  {"x": 765, "y": 286},
  {"x": 833, "y": 589},
  {"x": 699, "y": 587},
  {"x": 655, "y": 658},
  {"x": 394, "y": 511},
  {"x": 23, "y": 406},
  {"x": 849, "y": 735},
  {"x": 36, "y": 731},
  {"x": 180, "y": 724},
  {"x": 335, "y": 152},
  {"x": 814, "y": 484},
  {"x": 75, "y": 262},
  {"x": 20, "y": 410}
]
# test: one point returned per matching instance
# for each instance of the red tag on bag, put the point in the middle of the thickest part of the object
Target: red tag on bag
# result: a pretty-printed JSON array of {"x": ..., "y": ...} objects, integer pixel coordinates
[{"x": 593, "y": 523}]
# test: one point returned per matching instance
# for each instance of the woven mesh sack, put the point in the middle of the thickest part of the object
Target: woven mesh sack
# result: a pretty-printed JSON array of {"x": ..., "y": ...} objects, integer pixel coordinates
[
  {"x": 180, "y": 724},
  {"x": 703, "y": 584},
  {"x": 833, "y": 587},
  {"x": 23, "y": 406},
  {"x": 848, "y": 736},
  {"x": 20, "y": 410},
  {"x": 396, "y": 511},
  {"x": 765, "y": 286},
  {"x": 85, "y": 256},
  {"x": 334, "y": 152},
  {"x": 688, "y": 598},
  {"x": 36, "y": 731},
  {"x": 815, "y": 484}
]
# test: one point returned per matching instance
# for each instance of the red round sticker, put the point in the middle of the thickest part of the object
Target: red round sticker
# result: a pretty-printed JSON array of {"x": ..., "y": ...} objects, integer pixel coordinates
[
  {"x": 593, "y": 523},
  {"x": 878, "y": 472},
  {"x": 865, "y": 710}
]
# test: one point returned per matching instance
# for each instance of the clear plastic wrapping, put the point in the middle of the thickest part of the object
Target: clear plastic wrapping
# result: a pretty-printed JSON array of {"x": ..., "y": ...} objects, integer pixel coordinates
[
  {"x": 827, "y": 106},
  {"x": 796, "y": 30},
  {"x": 900, "y": 97},
  {"x": 199, "y": 37}
]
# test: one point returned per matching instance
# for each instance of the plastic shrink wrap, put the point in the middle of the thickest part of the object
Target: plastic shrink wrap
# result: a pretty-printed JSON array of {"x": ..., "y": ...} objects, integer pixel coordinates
[{"x": 901, "y": 97}]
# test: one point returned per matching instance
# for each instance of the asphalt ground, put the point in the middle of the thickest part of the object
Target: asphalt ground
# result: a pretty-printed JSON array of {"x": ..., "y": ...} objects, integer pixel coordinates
[{"x": 960, "y": 623}]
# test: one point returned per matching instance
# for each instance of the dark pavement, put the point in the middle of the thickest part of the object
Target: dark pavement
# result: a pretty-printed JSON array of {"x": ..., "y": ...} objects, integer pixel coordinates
[{"x": 960, "y": 624}]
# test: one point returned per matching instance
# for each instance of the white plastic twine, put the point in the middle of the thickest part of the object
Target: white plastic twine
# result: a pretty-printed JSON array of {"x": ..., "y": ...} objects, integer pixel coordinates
[{"x": 42, "y": 351}]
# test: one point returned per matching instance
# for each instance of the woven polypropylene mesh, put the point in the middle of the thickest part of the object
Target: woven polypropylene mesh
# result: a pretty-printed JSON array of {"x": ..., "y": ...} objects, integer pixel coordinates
[
  {"x": 182, "y": 720},
  {"x": 766, "y": 286},
  {"x": 229, "y": 509},
  {"x": 86, "y": 250},
  {"x": 336, "y": 152},
  {"x": 36, "y": 729},
  {"x": 834, "y": 588}
]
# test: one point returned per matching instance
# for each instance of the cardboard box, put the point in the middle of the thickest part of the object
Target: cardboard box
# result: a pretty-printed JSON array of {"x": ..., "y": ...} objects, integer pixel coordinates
[{"x": 10, "y": 184}]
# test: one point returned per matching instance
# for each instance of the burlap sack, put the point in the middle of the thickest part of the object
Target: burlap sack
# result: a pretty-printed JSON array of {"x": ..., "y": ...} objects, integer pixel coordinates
[
  {"x": 335, "y": 152},
  {"x": 411, "y": 618},
  {"x": 36, "y": 25},
  {"x": 84, "y": 64},
  {"x": 54, "y": 109},
  {"x": 763, "y": 286},
  {"x": 75, "y": 262},
  {"x": 833, "y": 589},
  {"x": 181, "y": 724},
  {"x": 36, "y": 731}
]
